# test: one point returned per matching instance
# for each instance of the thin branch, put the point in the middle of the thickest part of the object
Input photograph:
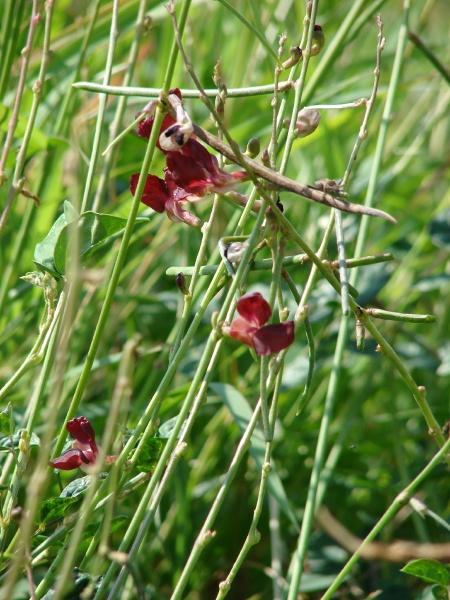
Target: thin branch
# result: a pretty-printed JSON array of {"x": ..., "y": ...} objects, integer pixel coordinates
[
  {"x": 144, "y": 92},
  {"x": 282, "y": 182}
]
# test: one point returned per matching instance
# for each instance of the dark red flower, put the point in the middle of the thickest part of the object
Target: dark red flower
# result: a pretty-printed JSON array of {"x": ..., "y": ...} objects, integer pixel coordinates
[
  {"x": 191, "y": 171},
  {"x": 84, "y": 449},
  {"x": 155, "y": 191},
  {"x": 197, "y": 171},
  {"x": 81, "y": 430},
  {"x": 250, "y": 328},
  {"x": 164, "y": 195}
]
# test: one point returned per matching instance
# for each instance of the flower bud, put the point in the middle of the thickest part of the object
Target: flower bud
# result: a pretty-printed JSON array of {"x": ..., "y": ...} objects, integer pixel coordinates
[
  {"x": 308, "y": 120},
  {"x": 318, "y": 40},
  {"x": 253, "y": 147},
  {"x": 295, "y": 57},
  {"x": 180, "y": 280},
  {"x": 265, "y": 158}
]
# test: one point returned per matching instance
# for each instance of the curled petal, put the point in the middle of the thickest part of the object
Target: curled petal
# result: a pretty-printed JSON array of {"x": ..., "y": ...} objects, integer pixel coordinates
[
  {"x": 273, "y": 338},
  {"x": 155, "y": 192},
  {"x": 72, "y": 459},
  {"x": 240, "y": 329},
  {"x": 254, "y": 309},
  {"x": 177, "y": 213},
  {"x": 81, "y": 430}
]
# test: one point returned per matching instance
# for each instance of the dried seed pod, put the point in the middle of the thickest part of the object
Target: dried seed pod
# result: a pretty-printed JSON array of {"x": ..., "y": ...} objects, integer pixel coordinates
[
  {"x": 308, "y": 120},
  {"x": 318, "y": 40}
]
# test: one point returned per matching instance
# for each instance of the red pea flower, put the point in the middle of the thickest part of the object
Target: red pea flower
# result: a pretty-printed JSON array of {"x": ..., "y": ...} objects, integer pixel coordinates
[
  {"x": 164, "y": 195},
  {"x": 84, "y": 449},
  {"x": 197, "y": 171},
  {"x": 191, "y": 171},
  {"x": 251, "y": 329}
]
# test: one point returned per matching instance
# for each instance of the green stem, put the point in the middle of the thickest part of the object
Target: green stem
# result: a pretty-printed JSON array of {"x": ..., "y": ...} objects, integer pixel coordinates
[
  {"x": 390, "y": 315},
  {"x": 113, "y": 35},
  {"x": 400, "y": 501},
  {"x": 251, "y": 27},
  {"x": 253, "y": 535},
  {"x": 297, "y": 259},
  {"x": 144, "y": 92},
  {"x": 65, "y": 104},
  {"x": 121, "y": 256},
  {"x": 121, "y": 105},
  {"x": 25, "y": 59},
  {"x": 322, "y": 441}
]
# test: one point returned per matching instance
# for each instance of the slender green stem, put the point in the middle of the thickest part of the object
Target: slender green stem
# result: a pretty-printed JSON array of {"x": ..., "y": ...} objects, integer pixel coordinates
[
  {"x": 25, "y": 59},
  {"x": 17, "y": 182},
  {"x": 144, "y": 92},
  {"x": 61, "y": 119},
  {"x": 322, "y": 441},
  {"x": 121, "y": 395},
  {"x": 253, "y": 535},
  {"x": 297, "y": 259},
  {"x": 121, "y": 105},
  {"x": 333, "y": 49},
  {"x": 390, "y": 315},
  {"x": 113, "y": 35},
  {"x": 121, "y": 256},
  {"x": 400, "y": 501},
  {"x": 261, "y": 37},
  {"x": 308, "y": 32}
]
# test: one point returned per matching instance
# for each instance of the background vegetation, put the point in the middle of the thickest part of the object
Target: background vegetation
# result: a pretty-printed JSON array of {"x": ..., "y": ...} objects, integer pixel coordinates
[{"x": 374, "y": 439}]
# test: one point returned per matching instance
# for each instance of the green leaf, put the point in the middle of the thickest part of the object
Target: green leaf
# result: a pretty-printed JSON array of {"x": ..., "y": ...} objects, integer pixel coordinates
[
  {"x": 55, "y": 509},
  {"x": 75, "y": 488},
  {"x": 166, "y": 428},
  {"x": 96, "y": 229},
  {"x": 150, "y": 454},
  {"x": 430, "y": 571},
  {"x": 45, "y": 252},
  {"x": 242, "y": 414}
]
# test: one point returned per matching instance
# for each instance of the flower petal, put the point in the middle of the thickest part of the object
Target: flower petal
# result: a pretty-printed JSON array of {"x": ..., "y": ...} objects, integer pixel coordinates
[
  {"x": 240, "y": 329},
  {"x": 72, "y": 459},
  {"x": 81, "y": 430},
  {"x": 254, "y": 309},
  {"x": 197, "y": 170},
  {"x": 155, "y": 192},
  {"x": 144, "y": 128},
  {"x": 273, "y": 338},
  {"x": 177, "y": 213},
  {"x": 187, "y": 173}
]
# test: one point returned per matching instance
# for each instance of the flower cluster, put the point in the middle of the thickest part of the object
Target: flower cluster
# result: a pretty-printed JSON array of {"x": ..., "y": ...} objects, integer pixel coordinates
[
  {"x": 191, "y": 171},
  {"x": 251, "y": 329},
  {"x": 84, "y": 449}
]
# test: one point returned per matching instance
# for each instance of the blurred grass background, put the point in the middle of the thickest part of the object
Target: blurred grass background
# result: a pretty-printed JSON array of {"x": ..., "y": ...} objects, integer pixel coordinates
[{"x": 377, "y": 428}]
